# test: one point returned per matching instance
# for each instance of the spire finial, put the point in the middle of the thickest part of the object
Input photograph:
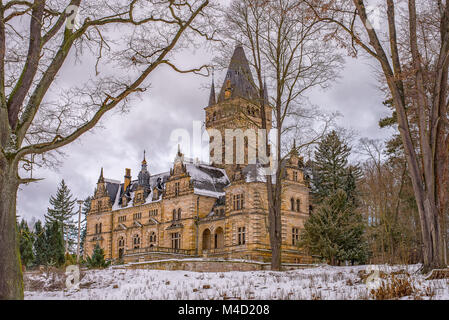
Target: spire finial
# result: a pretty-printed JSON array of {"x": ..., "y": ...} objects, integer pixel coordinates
[
  {"x": 212, "y": 99},
  {"x": 101, "y": 179},
  {"x": 144, "y": 157}
]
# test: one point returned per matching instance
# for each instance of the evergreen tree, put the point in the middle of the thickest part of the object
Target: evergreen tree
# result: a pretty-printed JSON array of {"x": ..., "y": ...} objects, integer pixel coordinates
[
  {"x": 40, "y": 245},
  {"x": 335, "y": 232},
  {"x": 62, "y": 211},
  {"x": 26, "y": 244},
  {"x": 97, "y": 260},
  {"x": 330, "y": 168},
  {"x": 54, "y": 244},
  {"x": 84, "y": 211}
]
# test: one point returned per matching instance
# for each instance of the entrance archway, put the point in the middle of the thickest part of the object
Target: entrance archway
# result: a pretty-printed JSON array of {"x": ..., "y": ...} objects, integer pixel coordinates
[{"x": 219, "y": 238}]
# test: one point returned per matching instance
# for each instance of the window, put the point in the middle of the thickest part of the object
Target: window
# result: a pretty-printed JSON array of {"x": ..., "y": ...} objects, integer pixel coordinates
[
  {"x": 122, "y": 219},
  {"x": 176, "y": 240},
  {"x": 292, "y": 204},
  {"x": 136, "y": 241},
  {"x": 152, "y": 238},
  {"x": 174, "y": 214},
  {"x": 98, "y": 228},
  {"x": 241, "y": 236},
  {"x": 238, "y": 202},
  {"x": 295, "y": 176},
  {"x": 153, "y": 213},
  {"x": 179, "y": 214},
  {"x": 298, "y": 205},
  {"x": 177, "y": 185},
  {"x": 121, "y": 242},
  {"x": 137, "y": 216},
  {"x": 295, "y": 236}
]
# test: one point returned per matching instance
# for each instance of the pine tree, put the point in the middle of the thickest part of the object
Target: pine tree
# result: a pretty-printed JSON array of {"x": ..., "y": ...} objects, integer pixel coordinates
[
  {"x": 335, "y": 232},
  {"x": 84, "y": 211},
  {"x": 40, "y": 245},
  {"x": 330, "y": 167},
  {"x": 97, "y": 260},
  {"x": 54, "y": 244},
  {"x": 63, "y": 212},
  {"x": 26, "y": 244}
]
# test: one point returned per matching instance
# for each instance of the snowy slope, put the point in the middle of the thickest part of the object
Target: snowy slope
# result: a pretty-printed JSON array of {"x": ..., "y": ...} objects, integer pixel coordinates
[{"x": 325, "y": 282}]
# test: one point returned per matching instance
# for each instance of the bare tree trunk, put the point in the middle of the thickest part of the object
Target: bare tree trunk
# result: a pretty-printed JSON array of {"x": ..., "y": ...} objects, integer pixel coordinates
[{"x": 10, "y": 264}]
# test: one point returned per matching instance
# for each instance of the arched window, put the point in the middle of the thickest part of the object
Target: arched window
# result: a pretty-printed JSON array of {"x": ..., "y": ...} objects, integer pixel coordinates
[
  {"x": 121, "y": 242},
  {"x": 136, "y": 241},
  {"x": 214, "y": 116},
  {"x": 174, "y": 214},
  {"x": 298, "y": 205},
  {"x": 292, "y": 202},
  {"x": 179, "y": 214},
  {"x": 152, "y": 238}
]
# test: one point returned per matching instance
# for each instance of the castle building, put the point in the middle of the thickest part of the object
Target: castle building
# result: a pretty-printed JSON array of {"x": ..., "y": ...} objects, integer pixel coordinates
[{"x": 202, "y": 210}]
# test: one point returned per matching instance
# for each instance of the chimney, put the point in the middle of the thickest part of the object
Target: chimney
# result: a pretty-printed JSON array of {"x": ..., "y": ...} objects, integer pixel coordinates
[{"x": 127, "y": 179}]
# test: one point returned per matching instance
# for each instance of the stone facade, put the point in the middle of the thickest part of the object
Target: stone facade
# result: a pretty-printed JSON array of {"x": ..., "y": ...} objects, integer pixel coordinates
[{"x": 202, "y": 210}]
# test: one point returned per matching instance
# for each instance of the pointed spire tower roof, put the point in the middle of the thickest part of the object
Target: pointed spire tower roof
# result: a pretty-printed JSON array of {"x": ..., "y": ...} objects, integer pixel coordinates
[
  {"x": 239, "y": 81},
  {"x": 212, "y": 98},
  {"x": 101, "y": 178}
]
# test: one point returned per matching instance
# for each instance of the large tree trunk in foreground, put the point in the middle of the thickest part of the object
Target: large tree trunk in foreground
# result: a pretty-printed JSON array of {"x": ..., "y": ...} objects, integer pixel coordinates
[{"x": 11, "y": 287}]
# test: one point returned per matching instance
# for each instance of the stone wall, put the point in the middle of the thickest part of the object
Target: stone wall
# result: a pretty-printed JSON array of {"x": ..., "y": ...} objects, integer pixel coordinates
[{"x": 209, "y": 265}]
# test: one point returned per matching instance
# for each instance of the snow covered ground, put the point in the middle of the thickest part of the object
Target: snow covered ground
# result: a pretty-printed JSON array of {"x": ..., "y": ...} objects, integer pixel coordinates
[{"x": 340, "y": 283}]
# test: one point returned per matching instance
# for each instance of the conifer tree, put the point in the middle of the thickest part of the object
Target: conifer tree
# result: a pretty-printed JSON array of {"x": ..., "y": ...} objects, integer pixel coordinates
[
  {"x": 335, "y": 232},
  {"x": 54, "y": 244},
  {"x": 40, "y": 246},
  {"x": 330, "y": 168},
  {"x": 62, "y": 211},
  {"x": 84, "y": 211},
  {"x": 97, "y": 260},
  {"x": 26, "y": 244}
]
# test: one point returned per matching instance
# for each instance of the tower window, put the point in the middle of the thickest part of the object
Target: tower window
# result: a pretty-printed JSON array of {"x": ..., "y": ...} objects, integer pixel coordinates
[
  {"x": 295, "y": 176},
  {"x": 292, "y": 204},
  {"x": 238, "y": 202},
  {"x": 177, "y": 187},
  {"x": 298, "y": 205}
]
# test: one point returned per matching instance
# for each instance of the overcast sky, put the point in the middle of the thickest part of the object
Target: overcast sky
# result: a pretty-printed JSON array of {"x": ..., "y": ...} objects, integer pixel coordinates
[{"x": 173, "y": 102}]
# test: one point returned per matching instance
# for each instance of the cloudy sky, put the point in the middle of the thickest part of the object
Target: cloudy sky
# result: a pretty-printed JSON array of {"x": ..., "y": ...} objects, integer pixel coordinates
[{"x": 175, "y": 101}]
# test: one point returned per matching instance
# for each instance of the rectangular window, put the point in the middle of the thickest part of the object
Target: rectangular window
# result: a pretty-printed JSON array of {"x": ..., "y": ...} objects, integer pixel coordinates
[
  {"x": 241, "y": 236},
  {"x": 177, "y": 185},
  {"x": 137, "y": 216},
  {"x": 122, "y": 219},
  {"x": 295, "y": 236},
  {"x": 295, "y": 176},
  {"x": 238, "y": 202},
  {"x": 176, "y": 241}
]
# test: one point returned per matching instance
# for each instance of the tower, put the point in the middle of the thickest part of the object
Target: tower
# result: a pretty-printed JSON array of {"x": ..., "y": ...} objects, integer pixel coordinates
[{"x": 236, "y": 110}]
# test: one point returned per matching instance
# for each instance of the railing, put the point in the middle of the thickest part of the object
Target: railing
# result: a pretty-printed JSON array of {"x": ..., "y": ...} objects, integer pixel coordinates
[{"x": 188, "y": 252}]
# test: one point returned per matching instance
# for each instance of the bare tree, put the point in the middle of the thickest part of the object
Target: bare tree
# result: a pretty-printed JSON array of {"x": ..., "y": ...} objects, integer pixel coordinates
[
  {"x": 412, "y": 51},
  {"x": 116, "y": 45},
  {"x": 285, "y": 45}
]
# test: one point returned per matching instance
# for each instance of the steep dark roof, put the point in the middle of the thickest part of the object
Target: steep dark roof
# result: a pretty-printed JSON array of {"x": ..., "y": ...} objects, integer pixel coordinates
[
  {"x": 205, "y": 177},
  {"x": 240, "y": 78}
]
